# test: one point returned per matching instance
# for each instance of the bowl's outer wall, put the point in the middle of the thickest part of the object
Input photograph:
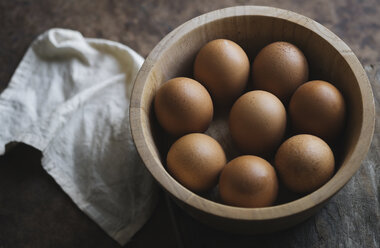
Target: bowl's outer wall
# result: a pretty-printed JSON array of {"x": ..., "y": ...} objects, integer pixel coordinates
[
  {"x": 253, "y": 27},
  {"x": 251, "y": 226}
]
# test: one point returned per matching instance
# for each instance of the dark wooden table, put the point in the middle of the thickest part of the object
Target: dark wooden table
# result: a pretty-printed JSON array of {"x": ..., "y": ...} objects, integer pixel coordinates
[{"x": 35, "y": 212}]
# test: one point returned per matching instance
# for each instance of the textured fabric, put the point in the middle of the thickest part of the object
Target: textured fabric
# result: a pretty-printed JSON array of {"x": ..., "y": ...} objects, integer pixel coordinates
[{"x": 69, "y": 98}]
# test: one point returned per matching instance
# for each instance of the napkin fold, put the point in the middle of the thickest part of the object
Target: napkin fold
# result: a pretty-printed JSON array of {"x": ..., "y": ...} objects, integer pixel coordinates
[{"x": 69, "y": 98}]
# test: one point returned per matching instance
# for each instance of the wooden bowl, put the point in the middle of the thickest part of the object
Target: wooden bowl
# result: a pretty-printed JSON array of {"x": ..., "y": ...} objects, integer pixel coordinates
[{"x": 253, "y": 27}]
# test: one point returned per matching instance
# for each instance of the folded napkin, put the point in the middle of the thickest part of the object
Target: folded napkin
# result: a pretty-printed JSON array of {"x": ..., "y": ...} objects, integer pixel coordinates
[{"x": 69, "y": 98}]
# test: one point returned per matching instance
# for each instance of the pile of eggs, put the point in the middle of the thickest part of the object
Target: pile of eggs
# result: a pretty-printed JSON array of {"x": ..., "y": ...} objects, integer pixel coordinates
[{"x": 282, "y": 102}]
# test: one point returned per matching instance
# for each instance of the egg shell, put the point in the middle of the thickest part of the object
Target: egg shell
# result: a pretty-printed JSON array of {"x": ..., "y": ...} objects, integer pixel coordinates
[
  {"x": 280, "y": 68},
  {"x": 182, "y": 105},
  {"x": 257, "y": 122},
  {"x": 196, "y": 160},
  {"x": 304, "y": 163},
  {"x": 248, "y": 181},
  {"x": 222, "y": 67},
  {"x": 317, "y": 107}
]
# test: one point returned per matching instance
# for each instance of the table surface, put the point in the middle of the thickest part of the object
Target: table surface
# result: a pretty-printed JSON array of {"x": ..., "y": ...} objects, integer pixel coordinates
[{"x": 35, "y": 212}]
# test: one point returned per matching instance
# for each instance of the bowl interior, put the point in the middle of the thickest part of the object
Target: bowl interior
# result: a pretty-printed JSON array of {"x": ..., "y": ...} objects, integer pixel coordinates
[{"x": 252, "y": 28}]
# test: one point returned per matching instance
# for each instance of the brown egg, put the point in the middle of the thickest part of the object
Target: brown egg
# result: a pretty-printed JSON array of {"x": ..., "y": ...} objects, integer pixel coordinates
[
  {"x": 257, "y": 122},
  {"x": 248, "y": 181},
  {"x": 222, "y": 67},
  {"x": 182, "y": 105},
  {"x": 304, "y": 163},
  {"x": 279, "y": 68},
  {"x": 318, "y": 108},
  {"x": 196, "y": 160}
]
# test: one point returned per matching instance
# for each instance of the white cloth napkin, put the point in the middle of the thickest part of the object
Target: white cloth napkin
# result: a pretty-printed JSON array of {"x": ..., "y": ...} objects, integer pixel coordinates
[{"x": 69, "y": 98}]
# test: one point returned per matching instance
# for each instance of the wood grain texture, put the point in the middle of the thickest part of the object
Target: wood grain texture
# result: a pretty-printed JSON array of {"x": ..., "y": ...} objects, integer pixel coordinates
[{"x": 253, "y": 27}]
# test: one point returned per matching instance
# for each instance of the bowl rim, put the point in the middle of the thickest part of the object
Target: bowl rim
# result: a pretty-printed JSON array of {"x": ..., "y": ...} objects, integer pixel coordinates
[{"x": 311, "y": 200}]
